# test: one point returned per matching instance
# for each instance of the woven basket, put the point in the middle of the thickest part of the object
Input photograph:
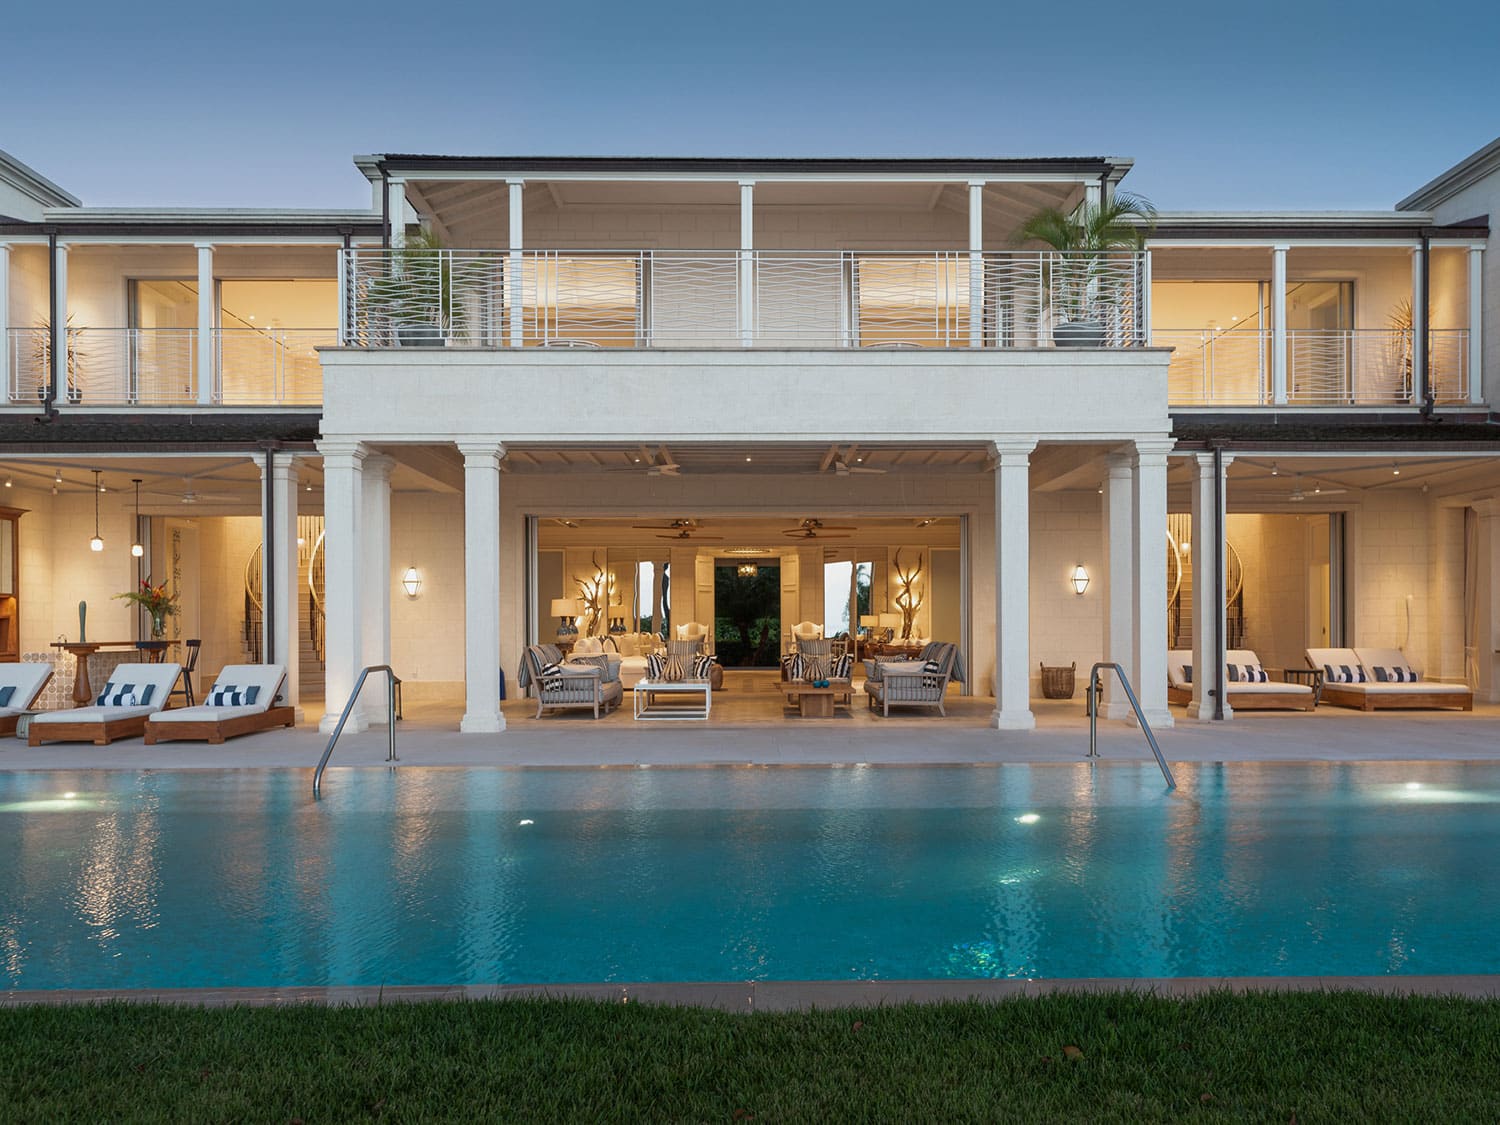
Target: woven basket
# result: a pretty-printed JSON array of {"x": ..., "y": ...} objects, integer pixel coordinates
[{"x": 1057, "y": 683}]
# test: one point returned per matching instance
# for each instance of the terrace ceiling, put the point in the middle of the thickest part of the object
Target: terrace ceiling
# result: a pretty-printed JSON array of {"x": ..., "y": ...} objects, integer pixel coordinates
[{"x": 475, "y": 213}]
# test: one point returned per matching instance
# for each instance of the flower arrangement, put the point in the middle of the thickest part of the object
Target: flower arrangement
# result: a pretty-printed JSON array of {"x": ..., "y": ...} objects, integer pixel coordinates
[{"x": 156, "y": 601}]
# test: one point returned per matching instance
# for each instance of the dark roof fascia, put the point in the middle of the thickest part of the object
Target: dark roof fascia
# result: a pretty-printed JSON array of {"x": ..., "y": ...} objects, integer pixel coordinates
[
  {"x": 146, "y": 228},
  {"x": 154, "y": 433},
  {"x": 415, "y": 163},
  {"x": 1477, "y": 228},
  {"x": 1466, "y": 431}
]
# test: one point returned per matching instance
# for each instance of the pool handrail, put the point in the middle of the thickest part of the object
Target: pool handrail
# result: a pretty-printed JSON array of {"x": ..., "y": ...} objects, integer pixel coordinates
[
  {"x": 1096, "y": 685},
  {"x": 393, "y": 687}
]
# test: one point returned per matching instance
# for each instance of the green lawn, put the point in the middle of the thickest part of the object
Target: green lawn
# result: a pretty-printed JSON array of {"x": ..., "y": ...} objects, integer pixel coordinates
[{"x": 1121, "y": 1057}]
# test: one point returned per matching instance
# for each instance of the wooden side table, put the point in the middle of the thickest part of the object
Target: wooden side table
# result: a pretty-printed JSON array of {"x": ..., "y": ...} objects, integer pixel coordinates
[{"x": 1312, "y": 677}]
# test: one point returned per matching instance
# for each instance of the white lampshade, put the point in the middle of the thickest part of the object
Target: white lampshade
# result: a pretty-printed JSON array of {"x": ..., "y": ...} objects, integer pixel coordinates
[
  {"x": 890, "y": 621},
  {"x": 412, "y": 581},
  {"x": 1079, "y": 579},
  {"x": 868, "y": 620}
]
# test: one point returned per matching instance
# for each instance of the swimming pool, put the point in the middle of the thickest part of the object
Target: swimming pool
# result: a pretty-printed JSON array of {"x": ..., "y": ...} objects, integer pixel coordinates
[{"x": 456, "y": 876}]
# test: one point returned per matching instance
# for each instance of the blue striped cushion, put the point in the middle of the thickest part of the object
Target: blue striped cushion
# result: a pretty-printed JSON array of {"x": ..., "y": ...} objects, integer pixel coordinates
[
  {"x": 226, "y": 696},
  {"x": 1343, "y": 674},
  {"x": 117, "y": 695}
]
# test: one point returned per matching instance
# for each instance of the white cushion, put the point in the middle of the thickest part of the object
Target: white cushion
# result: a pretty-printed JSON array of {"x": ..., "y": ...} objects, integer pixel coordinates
[
  {"x": 1421, "y": 687},
  {"x": 27, "y": 677},
  {"x": 588, "y": 646},
  {"x": 93, "y": 714},
  {"x": 1270, "y": 687},
  {"x": 1178, "y": 661},
  {"x": 266, "y": 677}
]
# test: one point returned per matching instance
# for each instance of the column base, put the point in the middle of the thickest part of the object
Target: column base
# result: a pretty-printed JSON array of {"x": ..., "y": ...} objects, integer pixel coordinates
[
  {"x": 492, "y": 723},
  {"x": 1021, "y": 719},
  {"x": 1203, "y": 710},
  {"x": 330, "y": 720},
  {"x": 1160, "y": 719},
  {"x": 1117, "y": 709}
]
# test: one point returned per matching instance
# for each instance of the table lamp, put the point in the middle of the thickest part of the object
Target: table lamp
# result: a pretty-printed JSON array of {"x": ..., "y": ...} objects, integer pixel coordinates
[
  {"x": 566, "y": 609},
  {"x": 890, "y": 622}
]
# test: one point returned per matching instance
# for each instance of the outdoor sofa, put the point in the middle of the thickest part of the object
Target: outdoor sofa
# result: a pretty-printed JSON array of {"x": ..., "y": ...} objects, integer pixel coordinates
[
  {"x": 1381, "y": 679},
  {"x": 922, "y": 682},
  {"x": 1244, "y": 689}
]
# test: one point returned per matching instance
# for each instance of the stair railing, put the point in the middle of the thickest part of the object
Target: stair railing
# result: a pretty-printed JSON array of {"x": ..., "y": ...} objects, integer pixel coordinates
[{"x": 392, "y": 687}]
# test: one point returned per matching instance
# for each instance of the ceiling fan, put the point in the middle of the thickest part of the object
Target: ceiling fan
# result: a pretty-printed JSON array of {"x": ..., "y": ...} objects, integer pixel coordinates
[
  {"x": 189, "y": 494},
  {"x": 815, "y": 529},
  {"x": 844, "y": 469},
  {"x": 691, "y": 535},
  {"x": 659, "y": 462},
  {"x": 670, "y": 525},
  {"x": 1297, "y": 495},
  {"x": 844, "y": 462}
]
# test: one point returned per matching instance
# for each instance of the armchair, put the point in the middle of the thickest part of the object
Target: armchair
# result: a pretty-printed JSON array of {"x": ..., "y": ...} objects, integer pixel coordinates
[
  {"x": 922, "y": 682},
  {"x": 591, "y": 682}
]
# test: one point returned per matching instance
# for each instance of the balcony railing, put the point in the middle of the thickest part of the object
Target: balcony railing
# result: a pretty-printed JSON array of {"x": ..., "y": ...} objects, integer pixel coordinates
[
  {"x": 159, "y": 366},
  {"x": 728, "y": 298},
  {"x": 1357, "y": 367}
]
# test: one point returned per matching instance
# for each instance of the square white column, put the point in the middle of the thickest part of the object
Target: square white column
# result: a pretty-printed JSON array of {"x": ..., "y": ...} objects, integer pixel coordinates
[
  {"x": 482, "y": 588},
  {"x": 1278, "y": 326},
  {"x": 343, "y": 513},
  {"x": 1476, "y": 325},
  {"x": 1419, "y": 386},
  {"x": 1013, "y": 587},
  {"x": 1150, "y": 490},
  {"x": 207, "y": 373},
  {"x": 5, "y": 341},
  {"x": 375, "y": 534},
  {"x": 976, "y": 263},
  {"x": 1208, "y": 607},
  {"x": 1486, "y": 664},
  {"x": 280, "y": 595},
  {"x": 1119, "y": 574},
  {"x": 60, "y": 333},
  {"x": 514, "y": 289},
  {"x": 747, "y": 263}
]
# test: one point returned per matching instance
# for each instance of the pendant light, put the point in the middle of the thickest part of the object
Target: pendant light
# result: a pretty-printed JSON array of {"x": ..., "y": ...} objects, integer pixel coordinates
[
  {"x": 97, "y": 542},
  {"x": 135, "y": 548}
]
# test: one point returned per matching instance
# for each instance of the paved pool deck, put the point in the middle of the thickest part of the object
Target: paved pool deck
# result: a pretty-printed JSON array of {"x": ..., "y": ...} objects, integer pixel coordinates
[{"x": 751, "y": 728}]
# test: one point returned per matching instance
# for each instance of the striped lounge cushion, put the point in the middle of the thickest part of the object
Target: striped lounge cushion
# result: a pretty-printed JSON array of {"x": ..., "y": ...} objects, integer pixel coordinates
[
  {"x": 1394, "y": 675},
  {"x": 1246, "y": 674},
  {"x": 1344, "y": 674},
  {"x": 120, "y": 695}
]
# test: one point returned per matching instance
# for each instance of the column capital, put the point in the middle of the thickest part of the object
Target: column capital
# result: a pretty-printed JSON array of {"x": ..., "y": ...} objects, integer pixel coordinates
[
  {"x": 203, "y": 245},
  {"x": 1151, "y": 451},
  {"x": 283, "y": 467},
  {"x": 350, "y": 452},
  {"x": 1117, "y": 465},
  {"x": 476, "y": 453},
  {"x": 1007, "y": 451},
  {"x": 1205, "y": 461},
  {"x": 378, "y": 467}
]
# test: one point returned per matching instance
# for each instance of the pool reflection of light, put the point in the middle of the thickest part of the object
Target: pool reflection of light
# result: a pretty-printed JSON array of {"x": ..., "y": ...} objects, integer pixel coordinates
[
  {"x": 1414, "y": 791},
  {"x": 1027, "y": 818},
  {"x": 524, "y": 823},
  {"x": 68, "y": 802}
]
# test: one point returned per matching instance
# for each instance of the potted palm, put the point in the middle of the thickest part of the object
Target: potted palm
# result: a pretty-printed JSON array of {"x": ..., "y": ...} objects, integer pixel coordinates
[
  {"x": 416, "y": 296},
  {"x": 1084, "y": 239}
]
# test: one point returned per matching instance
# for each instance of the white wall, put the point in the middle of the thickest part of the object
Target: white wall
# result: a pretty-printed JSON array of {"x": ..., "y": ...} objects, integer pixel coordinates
[
  {"x": 427, "y": 531},
  {"x": 1066, "y": 529}
]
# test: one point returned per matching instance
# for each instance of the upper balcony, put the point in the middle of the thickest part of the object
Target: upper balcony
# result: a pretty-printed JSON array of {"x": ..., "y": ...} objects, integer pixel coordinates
[{"x": 799, "y": 299}]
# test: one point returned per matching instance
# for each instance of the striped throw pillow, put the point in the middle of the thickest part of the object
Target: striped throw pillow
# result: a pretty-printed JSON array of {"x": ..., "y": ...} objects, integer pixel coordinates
[
  {"x": 1394, "y": 675},
  {"x": 1343, "y": 674},
  {"x": 226, "y": 696},
  {"x": 656, "y": 664}
]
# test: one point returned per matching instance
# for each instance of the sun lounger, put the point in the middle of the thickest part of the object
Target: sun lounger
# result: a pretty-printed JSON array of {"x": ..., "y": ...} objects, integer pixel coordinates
[
  {"x": 1381, "y": 679},
  {"x": 241, "y": 701},
  {"x": 20, "y": 684},
  {"x": 133, "y": 694},
  {"x": 1240, "y": 693}
]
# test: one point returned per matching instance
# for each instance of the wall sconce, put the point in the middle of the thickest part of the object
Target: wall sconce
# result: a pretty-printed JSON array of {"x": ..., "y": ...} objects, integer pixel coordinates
[
  {"x": 412, "y": 581},
  {"x": 1079, "y": 579}
]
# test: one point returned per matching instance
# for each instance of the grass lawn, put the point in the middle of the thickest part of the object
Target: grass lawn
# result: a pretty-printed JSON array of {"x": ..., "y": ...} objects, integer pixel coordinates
[{"x": 1304, "y": 1057}]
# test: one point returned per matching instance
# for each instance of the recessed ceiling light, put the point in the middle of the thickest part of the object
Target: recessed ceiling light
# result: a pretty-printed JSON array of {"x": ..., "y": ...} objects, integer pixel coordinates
[
  {"x": 1395, "y": 469},
  {"x": 1274, "y": 470},
  {"x": 747, "y": 459}
]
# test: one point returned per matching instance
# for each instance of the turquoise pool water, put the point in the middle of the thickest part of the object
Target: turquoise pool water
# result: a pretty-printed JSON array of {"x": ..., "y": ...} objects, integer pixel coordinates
[{"x": 441, "y": 876}]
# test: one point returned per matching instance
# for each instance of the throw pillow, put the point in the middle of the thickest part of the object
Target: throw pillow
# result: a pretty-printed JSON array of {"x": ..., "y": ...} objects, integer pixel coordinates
[
  {"x": 655, "y": 664},
  {"x": 121, "y": 695},
  {"x": 103, "y": 698},
  {"x": 1187, "y": 673},
  {"x": 143, "y": 699},
  {"x": 1255, "y": 674},
  {"x": 226, "y": 696},
  {"x": 842, "y": 668},
  {"x": 813, "y": 669},
  {"x": 251, "y": 694},
  {"x": 932, "y": 674},
  {"x": 5, "y": 695},
  {"x": 701, "y": 664},
  {"x": 1343, "y": 674},
  {"x": 1396, "y": 674},
  {"x": 794, "y": 666}
]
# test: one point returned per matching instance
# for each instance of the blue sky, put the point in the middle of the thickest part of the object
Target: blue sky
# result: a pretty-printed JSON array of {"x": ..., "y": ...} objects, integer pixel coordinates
[{"x": 1272, "y": 105}]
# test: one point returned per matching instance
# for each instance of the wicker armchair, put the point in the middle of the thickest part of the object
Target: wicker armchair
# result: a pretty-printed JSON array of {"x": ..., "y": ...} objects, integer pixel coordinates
[{"x": 909, "y": 683}]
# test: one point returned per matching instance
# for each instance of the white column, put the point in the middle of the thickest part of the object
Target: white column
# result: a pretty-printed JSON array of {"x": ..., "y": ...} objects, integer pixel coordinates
[
  {"x": 976, "y": 263},
  {"x": 5, "y": 342},
  {"x": 343, "y": 511},
  {"x": 1278, "y": 326},
  {"x": 1093, "y": 194},
  {"x": 375, "y": 535},
  {"x": 395, "y": 205},
  {"x": 1119, "y": 579},
  {"x": 1208, "y": 607},
  {"x": 279, "y": 574},
  {"x": 1476, "y": 324},
  {"x": 482, "y": 588},
  {"x": 1418, "y": 327},
  {"x": 205, "y": 342},
  {"x": 60, "y": 328},
  {"x": 1486, "y": 663},
  {"x": 1150, "y": 574},
  {"x": 747, "y": 263},
  {"x": 513, "y": 288},
  {"x": 1013, "y": 587}
]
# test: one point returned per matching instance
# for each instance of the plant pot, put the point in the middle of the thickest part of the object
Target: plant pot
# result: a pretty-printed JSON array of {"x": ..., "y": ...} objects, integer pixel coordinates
[
  {"x": 419, "y": 336},
  {"x": 1078, "y": 334}
]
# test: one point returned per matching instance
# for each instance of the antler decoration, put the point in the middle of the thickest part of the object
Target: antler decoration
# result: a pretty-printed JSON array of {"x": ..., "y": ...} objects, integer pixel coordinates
[{"x": 908, "y": 597}]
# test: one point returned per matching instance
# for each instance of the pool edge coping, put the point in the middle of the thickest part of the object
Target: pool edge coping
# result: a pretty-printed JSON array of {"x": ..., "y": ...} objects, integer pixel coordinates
[{"x": 770, "y": 996}]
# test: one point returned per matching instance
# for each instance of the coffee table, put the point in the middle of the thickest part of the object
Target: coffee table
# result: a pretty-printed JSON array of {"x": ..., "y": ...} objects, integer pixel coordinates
[
  {"x": 814, "y": 702},
  {"x": 673, "y": 700}
]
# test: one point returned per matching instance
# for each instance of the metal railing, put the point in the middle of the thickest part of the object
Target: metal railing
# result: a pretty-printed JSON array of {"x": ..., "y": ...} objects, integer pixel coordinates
[
  {"x": 1325, "y": 367},
  {"x": 1096, "y": 686},
  {"x": 392, "y": 690},
  {"x": 159, "y": 366},
  {"x": 739, "y": 298}
]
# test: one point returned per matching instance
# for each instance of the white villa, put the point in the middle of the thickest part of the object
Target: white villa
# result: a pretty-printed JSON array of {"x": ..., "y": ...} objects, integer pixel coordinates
[{"x": 400, "y": 435}]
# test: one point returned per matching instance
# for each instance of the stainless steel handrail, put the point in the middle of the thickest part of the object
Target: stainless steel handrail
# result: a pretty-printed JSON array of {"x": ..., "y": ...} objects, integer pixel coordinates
[
  {"x": 393, "y": 686},
  {"x": 1096, "y": 685}
]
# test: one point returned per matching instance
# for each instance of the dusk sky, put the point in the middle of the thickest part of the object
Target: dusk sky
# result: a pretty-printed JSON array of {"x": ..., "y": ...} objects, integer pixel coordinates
[{"x": 1275, "y": 105}]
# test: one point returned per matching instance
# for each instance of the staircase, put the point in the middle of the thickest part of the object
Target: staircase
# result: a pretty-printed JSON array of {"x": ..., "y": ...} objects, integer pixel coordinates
[
  {"x": 309, "y": 659},
  {"x": 309, "y": 652}
]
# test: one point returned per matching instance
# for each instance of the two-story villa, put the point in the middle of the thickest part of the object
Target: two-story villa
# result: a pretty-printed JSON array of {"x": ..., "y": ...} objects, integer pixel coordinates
[{"x": 632, "y": 386}]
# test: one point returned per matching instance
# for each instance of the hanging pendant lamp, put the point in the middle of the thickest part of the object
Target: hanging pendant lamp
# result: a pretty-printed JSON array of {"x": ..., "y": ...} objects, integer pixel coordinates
[
  {"x": 97, "y": 542},
  {"x": 135, "y": 548}
]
